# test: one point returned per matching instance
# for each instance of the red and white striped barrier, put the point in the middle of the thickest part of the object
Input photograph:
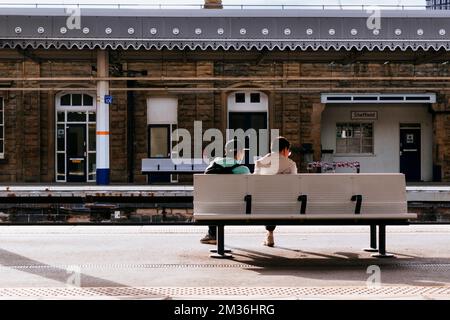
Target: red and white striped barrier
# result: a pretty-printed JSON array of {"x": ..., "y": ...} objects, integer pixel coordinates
[{"x": 333, "y": 165}]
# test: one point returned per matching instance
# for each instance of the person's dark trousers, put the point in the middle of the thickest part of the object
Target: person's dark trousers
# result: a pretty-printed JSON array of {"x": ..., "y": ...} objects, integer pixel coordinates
[
  {"x": 270, "y": 228},
  {"x": 212, "y": 231}
]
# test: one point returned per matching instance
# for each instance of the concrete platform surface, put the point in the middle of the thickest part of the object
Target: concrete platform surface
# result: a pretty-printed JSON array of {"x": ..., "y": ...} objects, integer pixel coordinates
[{"x": 169, "y": 262}]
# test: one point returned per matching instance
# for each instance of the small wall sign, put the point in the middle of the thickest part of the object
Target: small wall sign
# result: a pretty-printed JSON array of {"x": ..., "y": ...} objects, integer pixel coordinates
[
  {"x": 108, "y": 99},
  {"x": 409, "y": 138},
  {"x": 364, "y": 115}
]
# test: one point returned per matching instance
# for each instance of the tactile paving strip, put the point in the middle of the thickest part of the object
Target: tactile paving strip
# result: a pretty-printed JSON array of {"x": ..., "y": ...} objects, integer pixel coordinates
[
  {"x": 194, "y": 229},
  {"x": 359, "y": 292},
  {"x": 436, "y": 267},
  {"x": 133, "y": 266}
]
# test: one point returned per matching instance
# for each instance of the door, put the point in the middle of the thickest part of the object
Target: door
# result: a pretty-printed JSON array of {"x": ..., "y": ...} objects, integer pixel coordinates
[
  {"x": 410, "y": 152},
  {"x": 76, "y": 152},
  {"x": 159, "y": 147},
  {"x": 245, "y": 121}
]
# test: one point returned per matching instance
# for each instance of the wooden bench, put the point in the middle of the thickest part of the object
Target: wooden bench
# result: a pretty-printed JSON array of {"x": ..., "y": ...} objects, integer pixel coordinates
[{"x": 303, "y": 199}]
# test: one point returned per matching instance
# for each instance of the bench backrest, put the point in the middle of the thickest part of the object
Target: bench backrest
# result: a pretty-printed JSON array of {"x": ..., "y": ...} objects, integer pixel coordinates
[{"x": 336, "y": 193}]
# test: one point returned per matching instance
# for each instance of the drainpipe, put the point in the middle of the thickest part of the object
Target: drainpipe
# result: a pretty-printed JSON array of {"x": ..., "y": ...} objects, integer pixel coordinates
[{"x": 102, "y": 129}]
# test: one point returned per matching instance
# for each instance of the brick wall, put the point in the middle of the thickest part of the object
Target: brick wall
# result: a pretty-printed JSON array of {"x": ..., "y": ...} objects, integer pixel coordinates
[
  {"x": 118, "y": 135},
  {"x": 29, "y": 116},
  {"x": 441, "y": 133}
]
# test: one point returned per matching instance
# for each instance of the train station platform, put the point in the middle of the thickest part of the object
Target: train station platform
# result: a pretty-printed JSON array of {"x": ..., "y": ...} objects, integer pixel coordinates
[
  {"x": 430, "y": 192},
  {"x": 148, "y": 204},
  {"x": 169, "y": 262}
]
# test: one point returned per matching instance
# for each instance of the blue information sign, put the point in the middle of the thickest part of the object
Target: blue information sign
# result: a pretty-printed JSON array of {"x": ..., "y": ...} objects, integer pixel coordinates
[{"x": 108, "y": 99}]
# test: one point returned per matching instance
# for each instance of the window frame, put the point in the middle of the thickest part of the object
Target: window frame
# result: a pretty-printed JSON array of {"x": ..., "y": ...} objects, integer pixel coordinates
[
  {"x": 352, "y": 124},
  {"x": 149, "y": 145},
  {"x": 171, "y": 144}
]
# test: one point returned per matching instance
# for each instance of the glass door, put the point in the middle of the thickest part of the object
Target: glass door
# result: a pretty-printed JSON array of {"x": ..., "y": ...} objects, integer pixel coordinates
[{"x": 75, "y": 138}]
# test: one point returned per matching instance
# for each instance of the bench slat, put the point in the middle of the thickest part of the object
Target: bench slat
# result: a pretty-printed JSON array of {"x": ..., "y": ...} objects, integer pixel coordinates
[{"x": 325, "y": 216}]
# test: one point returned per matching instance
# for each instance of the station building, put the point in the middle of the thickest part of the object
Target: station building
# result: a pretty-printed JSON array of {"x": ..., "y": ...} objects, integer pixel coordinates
[{"x": 88, "y": 104}]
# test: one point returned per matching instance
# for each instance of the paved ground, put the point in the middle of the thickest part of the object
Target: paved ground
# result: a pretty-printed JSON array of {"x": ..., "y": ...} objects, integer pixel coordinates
[{"x": 169, "y": 262}]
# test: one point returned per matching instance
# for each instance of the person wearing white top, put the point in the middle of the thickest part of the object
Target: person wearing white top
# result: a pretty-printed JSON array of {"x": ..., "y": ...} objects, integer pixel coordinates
[{"x": 276, "y": 162}]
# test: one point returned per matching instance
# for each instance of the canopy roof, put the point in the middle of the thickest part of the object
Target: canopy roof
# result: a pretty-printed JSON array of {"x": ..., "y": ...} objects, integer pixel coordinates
[{"x": 225, "y": 29}]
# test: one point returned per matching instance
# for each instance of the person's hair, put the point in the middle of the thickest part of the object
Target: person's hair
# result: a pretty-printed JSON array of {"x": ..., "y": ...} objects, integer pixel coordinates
[{"x": 279, "y": 144}]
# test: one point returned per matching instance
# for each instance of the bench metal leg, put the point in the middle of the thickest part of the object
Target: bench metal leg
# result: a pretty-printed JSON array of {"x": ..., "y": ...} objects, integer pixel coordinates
[
  {"x": 373, "y": 239},
  {"x": 221, "y": 254},
  {"x": 225, "y": 250},
  {"x": 382, "y": 243}
]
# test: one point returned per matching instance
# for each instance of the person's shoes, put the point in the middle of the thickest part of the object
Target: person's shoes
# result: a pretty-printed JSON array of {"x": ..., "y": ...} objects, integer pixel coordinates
[
  {"x": 269, "y": 240},
  {"x": 208, "y": 240}
]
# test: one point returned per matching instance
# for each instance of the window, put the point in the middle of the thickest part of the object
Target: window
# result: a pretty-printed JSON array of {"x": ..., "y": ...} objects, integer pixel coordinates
[
  {"x": 240, "y": 97},
  {"x": 354, "y": 138},
  {"x": 160, "y": 144},
  {"x": 249, "y": 101},
  {"x": 159, "y": 141},
  {"x": 255, "y": 98},
  {"x": 2, "y": 129},
  {"x": 88, "y": 100},
  {"x": 65, "y": 100},
  {"x": 162, "y": 117},
  {"x": 76, "y": 99},
  {"x": 162, "y": 114}
]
